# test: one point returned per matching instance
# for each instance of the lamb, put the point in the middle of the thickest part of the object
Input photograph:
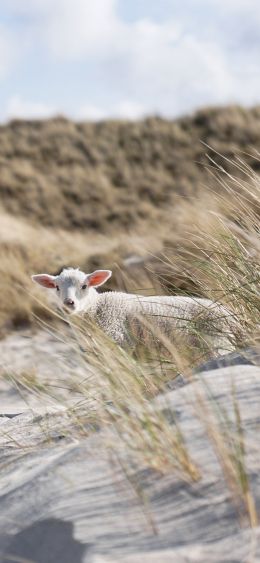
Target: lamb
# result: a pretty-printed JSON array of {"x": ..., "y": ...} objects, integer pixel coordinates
[{"x": 120, "y": 314}]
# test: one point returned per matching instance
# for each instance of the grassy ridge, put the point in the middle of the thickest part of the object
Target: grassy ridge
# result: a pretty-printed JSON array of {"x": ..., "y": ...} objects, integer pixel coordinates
[
  {"x": 114, "y": 175},
  {"x": 98, "y": 195}
]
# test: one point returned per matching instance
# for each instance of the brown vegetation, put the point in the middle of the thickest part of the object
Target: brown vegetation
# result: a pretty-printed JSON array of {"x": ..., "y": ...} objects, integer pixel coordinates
[{"x": 121, "y": 195}]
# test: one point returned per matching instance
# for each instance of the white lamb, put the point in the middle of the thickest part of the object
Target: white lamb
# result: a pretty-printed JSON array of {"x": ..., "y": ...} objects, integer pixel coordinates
[{"x": 120, "y": 314}]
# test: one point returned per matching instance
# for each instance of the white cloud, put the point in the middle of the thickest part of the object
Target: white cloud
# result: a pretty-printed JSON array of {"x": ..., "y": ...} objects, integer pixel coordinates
[
  {"x": 78, "y": 28},
  {"x": 172, "y": 75},
  {"x": 165, "y": 68},
  {"x": 203, "y": 53},
  {"x": 127, "y": 109},
  {"x": 91, "y": 112},
  {"x": 7, "y": 52},
  {"x": 19, "y": 108},
  {"x": 235, "y": 5},
  {"x": 30, "y": 7}
]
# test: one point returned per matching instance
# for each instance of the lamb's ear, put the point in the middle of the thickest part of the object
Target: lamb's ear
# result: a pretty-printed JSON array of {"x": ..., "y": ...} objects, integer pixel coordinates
[
  {"x": 98, "y": 277},
  {"x": 45, "y": 280}
]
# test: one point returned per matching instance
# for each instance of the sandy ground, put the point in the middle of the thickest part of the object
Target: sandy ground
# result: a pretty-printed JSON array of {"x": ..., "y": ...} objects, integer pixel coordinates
[
  {"x": 48, "y": 355},
  {"x": 66, "y": 499}
]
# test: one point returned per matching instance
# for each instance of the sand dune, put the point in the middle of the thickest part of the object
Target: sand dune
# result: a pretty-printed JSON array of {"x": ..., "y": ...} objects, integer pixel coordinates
[{"x": 63, "y": 499}]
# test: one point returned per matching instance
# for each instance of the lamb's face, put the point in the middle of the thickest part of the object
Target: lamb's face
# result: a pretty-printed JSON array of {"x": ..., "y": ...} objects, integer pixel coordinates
[{"x": 74, "y": 288}]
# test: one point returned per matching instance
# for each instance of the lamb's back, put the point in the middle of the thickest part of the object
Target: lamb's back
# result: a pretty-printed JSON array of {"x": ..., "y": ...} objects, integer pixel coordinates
[{"x": 117, "y": 313}]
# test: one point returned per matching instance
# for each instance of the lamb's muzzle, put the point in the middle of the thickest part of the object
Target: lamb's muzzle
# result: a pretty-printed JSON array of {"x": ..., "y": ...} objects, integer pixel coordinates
[{"x": 69, "y": 303}]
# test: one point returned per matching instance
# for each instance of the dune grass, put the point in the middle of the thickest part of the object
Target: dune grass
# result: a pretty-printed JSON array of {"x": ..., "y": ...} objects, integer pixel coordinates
[
  {"x": 95, "y": 195},
  {"x": 217, "y": 252}
]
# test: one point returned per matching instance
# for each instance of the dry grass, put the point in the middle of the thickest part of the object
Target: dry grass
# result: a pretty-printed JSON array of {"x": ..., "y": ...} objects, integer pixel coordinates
[
  {"x": 208, "y": 246},
  {"x": 119, "y": 388},
  {"x": 124, "y": 190},
  {"x": 25, "y": 249},
  {"x": 115, "y": 175},
  {"x": 227, "y": 435},
  {"x": 221, "y": 255}
]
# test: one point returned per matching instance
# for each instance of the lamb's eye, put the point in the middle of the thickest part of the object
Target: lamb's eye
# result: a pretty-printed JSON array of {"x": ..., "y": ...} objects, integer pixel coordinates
[
  {"x": 57, "y": 288},
  {"x": 84, "y": 286}
]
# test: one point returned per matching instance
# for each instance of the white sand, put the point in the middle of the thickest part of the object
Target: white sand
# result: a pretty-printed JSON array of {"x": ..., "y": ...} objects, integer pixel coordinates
[{"x": 66, "y": 480}]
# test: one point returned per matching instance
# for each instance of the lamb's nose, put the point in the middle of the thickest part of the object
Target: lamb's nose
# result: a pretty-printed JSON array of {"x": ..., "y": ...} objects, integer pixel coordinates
[{"x": 68, "y": 302}]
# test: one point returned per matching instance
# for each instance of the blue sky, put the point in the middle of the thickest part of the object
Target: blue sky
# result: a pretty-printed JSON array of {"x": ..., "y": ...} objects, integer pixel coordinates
[{"x": 95, "y": 59}]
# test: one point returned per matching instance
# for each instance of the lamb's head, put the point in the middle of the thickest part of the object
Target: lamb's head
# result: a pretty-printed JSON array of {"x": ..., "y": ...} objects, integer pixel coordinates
[{"x": 75, "y": 289}]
